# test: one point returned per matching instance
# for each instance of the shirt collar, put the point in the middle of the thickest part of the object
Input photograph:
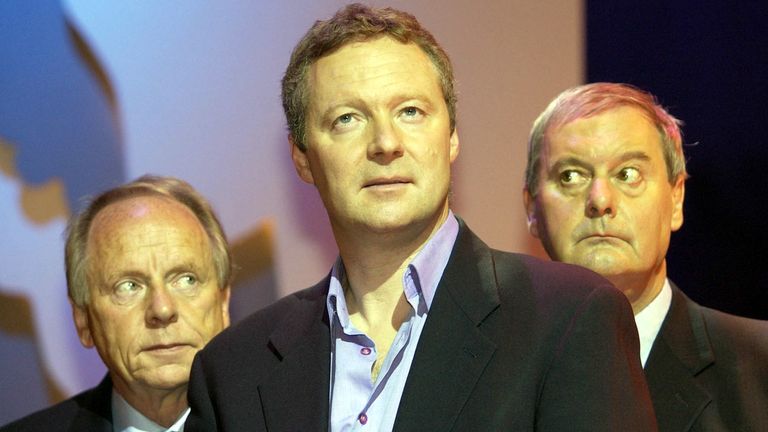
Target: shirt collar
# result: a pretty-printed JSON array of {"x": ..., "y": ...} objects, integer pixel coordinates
[
  {"x": 649, "y": 320},
  {"x": 420, "y": 278},
  {"x": 428, "y": 265},
  {"x": 126, "y": 418},
  {"x": 336, "y": 302}
]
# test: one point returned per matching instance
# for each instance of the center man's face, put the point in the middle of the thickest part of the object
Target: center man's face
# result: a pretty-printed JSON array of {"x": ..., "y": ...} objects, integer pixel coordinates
[
  {"x": 154, "y": 296},
  {"x": 604, "y": 199},
  {"x": 379, "y": 143}
]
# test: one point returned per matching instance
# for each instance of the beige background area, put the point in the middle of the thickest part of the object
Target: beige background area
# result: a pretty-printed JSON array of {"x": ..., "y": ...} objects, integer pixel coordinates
[{"x": 197, "y": 86}]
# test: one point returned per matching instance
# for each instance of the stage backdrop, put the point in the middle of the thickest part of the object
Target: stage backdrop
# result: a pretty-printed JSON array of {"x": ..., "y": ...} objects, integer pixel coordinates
[{"x": 97, "y": 93}]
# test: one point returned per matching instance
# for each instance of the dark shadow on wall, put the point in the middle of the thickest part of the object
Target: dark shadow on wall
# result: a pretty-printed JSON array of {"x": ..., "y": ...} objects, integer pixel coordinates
[
  {"x": 254, "y": 285},
  {"x": 92, "y": 66},
  {"x": 29, "y": 388}
]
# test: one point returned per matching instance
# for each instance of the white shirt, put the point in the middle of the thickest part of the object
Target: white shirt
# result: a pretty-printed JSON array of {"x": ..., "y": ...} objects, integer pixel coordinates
[
  {"x": 649, "y": 320},
  {"x": 126, "y": 418}
]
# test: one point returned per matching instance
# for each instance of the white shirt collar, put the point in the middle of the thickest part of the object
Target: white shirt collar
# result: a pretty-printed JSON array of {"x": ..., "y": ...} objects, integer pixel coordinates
[
  {"x": 649, "y": 320},
  {"x": 126, "y": 418}
]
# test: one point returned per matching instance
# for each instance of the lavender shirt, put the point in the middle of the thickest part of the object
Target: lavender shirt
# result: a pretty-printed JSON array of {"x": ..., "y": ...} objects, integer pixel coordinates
[{"x": 356, "y": 403}]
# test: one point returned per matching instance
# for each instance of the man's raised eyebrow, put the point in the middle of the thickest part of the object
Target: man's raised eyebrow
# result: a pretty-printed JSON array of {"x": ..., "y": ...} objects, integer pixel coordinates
[
  {"x": 185, "y": 267},
  {"x": 418, "y": 96},
  {"x": 330, "y": 112},
  {"x": 639, "y": 155},
  {"x": 570, "y": 162},
  {"x": 576, "y": 162}
]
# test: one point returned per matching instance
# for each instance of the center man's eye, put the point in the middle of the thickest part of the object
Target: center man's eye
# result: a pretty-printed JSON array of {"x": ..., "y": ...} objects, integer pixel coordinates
[{"x": 345, "y": 122}]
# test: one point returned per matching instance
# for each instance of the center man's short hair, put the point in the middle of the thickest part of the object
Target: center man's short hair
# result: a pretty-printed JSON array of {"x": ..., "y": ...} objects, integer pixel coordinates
[{"x": 356, "y": 23}]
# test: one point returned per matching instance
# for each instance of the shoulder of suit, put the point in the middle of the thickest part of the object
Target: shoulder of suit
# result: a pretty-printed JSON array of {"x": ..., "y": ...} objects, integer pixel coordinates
[
  {"x": 260, "y": 324},
  {"x": 551, "y": 275},
  {"x": 553, "y": 288},
  {"x": 521, "y": 269},
  {"x": 733, "y": 329},
  {"x": 56, "y": 417}
]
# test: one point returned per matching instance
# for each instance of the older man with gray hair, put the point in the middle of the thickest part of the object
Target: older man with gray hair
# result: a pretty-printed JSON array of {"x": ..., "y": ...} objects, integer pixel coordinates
[
  {"x": 604, "y": 189},
  {"x": 148, "y": 271}
]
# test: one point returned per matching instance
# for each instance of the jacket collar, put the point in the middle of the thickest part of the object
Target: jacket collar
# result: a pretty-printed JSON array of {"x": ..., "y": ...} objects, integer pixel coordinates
[
  {"x": 452, "y": 351},
  {"x": 95, "y": 408},
  {"x": 682, "y": 350},
  {"x": 295, "y": 397}
]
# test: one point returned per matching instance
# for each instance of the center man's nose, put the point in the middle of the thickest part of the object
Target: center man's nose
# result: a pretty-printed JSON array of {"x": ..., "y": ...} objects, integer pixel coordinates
[{"x": 386, "y": 143}]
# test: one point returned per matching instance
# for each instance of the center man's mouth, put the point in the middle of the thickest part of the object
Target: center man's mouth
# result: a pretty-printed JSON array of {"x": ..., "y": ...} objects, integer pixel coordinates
[{"x": 386, "y": 181}]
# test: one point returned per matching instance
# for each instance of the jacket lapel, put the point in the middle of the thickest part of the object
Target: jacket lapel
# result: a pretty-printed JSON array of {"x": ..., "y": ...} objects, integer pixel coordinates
[
  {"x": 452, "y": 351},
  {"x": 95, "y": 409},
  {"x": 295, "y": 397},
  {"x": 681, "y": 351}
]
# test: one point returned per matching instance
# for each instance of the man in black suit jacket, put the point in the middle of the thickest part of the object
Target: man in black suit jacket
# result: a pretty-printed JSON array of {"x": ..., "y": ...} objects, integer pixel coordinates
[
  {"x": 604, "y": 189},
  {"x": 148, "y": 273},
  {"x": 419, "y": 326}
]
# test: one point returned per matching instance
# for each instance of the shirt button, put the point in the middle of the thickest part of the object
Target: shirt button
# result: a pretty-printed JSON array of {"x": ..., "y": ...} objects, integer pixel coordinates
[
  {"x": 365, "y": 351},
  {"x": 362, "y": 418}
]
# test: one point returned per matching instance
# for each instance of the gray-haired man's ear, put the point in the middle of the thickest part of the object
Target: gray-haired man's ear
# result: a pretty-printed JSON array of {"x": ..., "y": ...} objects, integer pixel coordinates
[
  {"x": 678, "y": 197},
  {"x": 530, "y": 210},
  {"x": 80, "y": 315}
]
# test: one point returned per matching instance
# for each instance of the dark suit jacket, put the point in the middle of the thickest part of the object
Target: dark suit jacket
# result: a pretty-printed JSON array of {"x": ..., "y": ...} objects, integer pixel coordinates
[
  {"x": 90, "y": 410},
  {"x": 708, "y": 371},
  {"x": 511, "y": 343}
]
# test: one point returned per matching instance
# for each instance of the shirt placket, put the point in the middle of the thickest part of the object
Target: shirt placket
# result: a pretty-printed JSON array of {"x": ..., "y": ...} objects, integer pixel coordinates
[{"x": 391, "y": 363}]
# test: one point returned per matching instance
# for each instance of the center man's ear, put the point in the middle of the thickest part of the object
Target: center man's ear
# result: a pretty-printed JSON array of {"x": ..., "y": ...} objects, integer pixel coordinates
[
  {"x": 300, "y": 161},
  {"x": 454, "y": 143},
  {"x": 80, "y": 316},
  {"x": 530, "y": 209}
]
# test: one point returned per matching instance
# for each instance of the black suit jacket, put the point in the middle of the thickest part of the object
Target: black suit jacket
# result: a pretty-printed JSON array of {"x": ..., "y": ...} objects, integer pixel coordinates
[
  {"x": 510, "y": 343},
  {"x": 708, "y": 371},
  {"x": 90, "y": 410}
]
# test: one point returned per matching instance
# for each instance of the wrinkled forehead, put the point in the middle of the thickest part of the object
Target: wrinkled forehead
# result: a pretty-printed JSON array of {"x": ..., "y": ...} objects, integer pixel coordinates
[
  {"x": 147, "y": 234},
  {"x": 618, "y": 134},
  {"x": 572, "y": 111}
]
